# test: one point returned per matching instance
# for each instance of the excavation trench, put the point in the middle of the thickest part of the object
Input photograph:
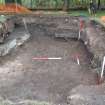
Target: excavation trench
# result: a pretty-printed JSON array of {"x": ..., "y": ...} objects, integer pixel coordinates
[{"x": 22, "y": 78}]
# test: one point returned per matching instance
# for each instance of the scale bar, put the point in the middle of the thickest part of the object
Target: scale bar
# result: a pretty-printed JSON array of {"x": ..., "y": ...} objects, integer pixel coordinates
[{"x": 45, "y": 58}]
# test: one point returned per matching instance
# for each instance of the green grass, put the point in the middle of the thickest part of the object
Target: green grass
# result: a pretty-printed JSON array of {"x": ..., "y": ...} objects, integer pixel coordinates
[
  {"x": 26, "y": 102},
  {"x": 101, "y": 13},
  {"x": 76, "y": 13},
  {"x": 85, "y": 13}
]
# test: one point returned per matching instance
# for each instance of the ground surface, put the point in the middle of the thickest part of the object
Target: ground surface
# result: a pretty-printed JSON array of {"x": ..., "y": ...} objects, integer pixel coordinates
[
  {"x": 22, "y": 78},
  {"x": 73, "y": 13},
  {"x": 87, "y": 95}
]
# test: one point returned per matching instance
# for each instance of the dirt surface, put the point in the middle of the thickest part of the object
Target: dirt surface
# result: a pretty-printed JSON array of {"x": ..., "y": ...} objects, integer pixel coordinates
[
  {"x": 22, "y": 78},
  {"x": 95, "y": 38},
  {"x": 87, "y": 95}
]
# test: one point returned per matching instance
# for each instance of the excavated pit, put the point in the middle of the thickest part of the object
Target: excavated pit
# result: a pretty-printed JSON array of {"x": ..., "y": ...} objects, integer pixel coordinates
[{"x": 22, "y": 78}]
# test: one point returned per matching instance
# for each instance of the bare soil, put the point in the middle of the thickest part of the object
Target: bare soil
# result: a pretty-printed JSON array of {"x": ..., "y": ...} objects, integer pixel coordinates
[{"x": 23, "y": 78}]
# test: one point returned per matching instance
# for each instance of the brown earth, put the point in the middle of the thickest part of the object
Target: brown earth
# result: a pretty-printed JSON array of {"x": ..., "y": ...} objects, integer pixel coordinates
[{"x": 22, "y": 78}]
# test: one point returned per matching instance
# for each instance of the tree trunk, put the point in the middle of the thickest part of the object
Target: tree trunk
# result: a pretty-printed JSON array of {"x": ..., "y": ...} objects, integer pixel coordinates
[
  {"x": 66, "y": 5},
  {"x": 99, "y": 3},
  {"x": 13, "y": 1},
  {"x": 9, "y": 1}
]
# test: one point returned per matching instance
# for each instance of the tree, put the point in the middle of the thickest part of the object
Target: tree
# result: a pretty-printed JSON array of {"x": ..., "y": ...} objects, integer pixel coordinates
[
  {"x": 13, "y": 1},
  {"x": 99, "y": 3},
  {"x": 66, "y": 5},
  {"x": 9, "y": 1}
]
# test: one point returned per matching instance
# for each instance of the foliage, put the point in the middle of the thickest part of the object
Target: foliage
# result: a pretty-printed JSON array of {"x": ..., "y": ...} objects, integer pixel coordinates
[{"x": 54, "y": 3}]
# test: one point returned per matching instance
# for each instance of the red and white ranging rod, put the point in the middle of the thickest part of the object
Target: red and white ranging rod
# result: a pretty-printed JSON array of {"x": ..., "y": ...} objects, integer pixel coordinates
[{"x": 47, "y": 58}]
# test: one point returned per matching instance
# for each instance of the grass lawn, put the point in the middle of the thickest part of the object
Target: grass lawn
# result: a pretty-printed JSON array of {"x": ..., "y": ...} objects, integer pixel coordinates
[
  {"x": 76, "y": 13},
  {"x": 85, "y": 13}
]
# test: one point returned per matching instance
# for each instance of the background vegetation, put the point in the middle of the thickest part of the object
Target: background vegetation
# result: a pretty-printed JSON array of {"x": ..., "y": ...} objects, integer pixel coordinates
[{"x": 55, "y": 4}]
